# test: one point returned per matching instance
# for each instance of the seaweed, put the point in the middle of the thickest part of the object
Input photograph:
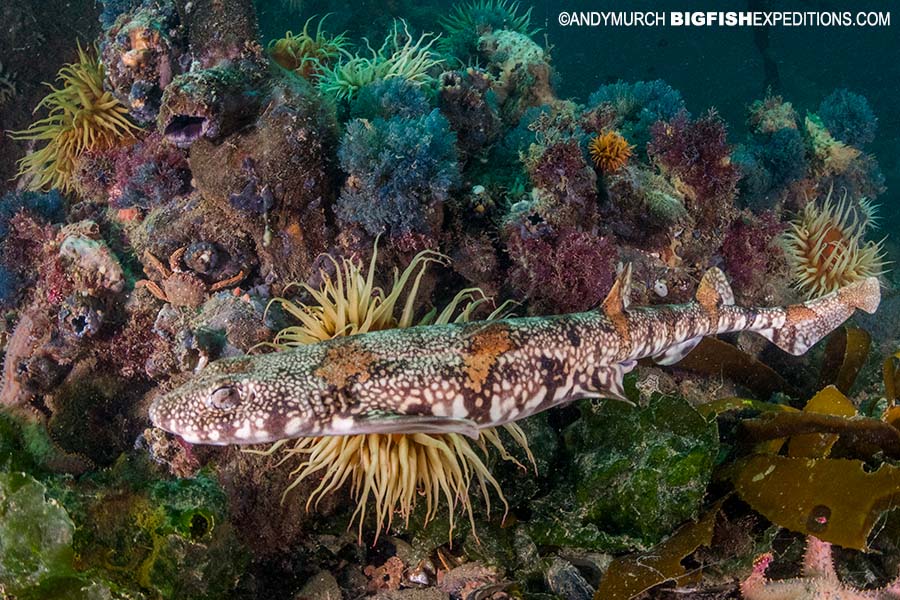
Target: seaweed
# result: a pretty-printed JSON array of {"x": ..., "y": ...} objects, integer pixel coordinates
[
  {"x": 846, "y": 351},
  {"x": 849, "y": 117},
  {"x": 716, "y": 357},
  {"x": 808, "y": 491},
  {"x": 632, "y": 575},
  {"x": 400, "y": 171},
  {"x": 819, "y": 497}
]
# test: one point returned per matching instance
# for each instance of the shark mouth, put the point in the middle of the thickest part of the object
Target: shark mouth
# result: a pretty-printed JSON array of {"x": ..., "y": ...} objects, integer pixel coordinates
[{"x": 184, "y": 130}]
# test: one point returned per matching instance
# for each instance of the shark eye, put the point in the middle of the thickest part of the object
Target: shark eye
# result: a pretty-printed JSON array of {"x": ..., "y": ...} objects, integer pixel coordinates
[{"x": 224, "y": 398}]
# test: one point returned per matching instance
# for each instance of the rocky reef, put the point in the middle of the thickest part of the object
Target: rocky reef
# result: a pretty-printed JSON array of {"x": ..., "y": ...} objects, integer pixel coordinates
[{"x": 186, "y": 192}]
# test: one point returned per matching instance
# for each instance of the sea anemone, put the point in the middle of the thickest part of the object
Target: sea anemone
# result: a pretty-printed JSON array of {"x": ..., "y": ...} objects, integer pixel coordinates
[
  {"x": 826, "y": 249},
  {"x": 82, "y": 116},
  {"x": 7, "y": 86},
  {"x": 399, "y": 56},
  {"x": 610, "y": 151},
  {"x": 467, "y": 22},
  {"x": 482, "y": 16},
  {"x": 305, "y": 54},
  {"x": 294, "y": 6},
  {"x": 388, "y": 470}
]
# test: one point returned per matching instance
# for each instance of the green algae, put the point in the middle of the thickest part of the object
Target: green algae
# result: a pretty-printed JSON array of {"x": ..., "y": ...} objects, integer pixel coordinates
[
  {"x": 636, "y": 474},
  {"x": 168, "y": 537},
  {"x": 118, "y": 533},
  {"x": 35, "y": 535}
]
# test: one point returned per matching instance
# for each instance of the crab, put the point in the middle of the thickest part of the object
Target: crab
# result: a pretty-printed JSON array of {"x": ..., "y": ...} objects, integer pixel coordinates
[{"x": 177, "y": 285}]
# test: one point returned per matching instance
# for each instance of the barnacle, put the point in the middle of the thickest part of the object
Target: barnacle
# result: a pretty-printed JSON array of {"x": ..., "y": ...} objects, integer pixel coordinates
[
  {"x": 826, "y": 247},
  {"x": 82, "y": 116},
  {"x": 389, "y": 471},
  {"x": 7, "y": 86},
  {"x": 307, "y": 54},
  {"x": 480, "y": 16},
  {"x": 610, "y": 151},
  {"x": 400, "y": 55}
]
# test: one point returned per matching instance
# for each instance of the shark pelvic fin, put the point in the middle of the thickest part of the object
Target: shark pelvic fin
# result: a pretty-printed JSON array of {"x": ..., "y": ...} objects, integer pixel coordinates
[
  {"x": 619, "y": 296},
  {"x": 674, "y": 354},
  {"x": 714, "y": 289}
]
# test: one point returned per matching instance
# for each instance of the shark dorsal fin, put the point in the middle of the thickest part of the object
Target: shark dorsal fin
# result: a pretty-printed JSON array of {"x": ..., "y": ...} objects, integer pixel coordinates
[
  {"x": 714, "y": 289},
  {"x": 619, "y": 297}
]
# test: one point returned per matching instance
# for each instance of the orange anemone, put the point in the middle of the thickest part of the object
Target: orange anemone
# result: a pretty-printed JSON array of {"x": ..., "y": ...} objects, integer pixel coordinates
[{"x": 826, "y": 248}]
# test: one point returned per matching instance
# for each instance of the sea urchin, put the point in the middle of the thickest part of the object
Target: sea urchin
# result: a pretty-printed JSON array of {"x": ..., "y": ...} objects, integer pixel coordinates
[
  {"x": 826, "y": 249},
  {"x": 388, "y": 470},
  {"x": 610, "y": 151}
]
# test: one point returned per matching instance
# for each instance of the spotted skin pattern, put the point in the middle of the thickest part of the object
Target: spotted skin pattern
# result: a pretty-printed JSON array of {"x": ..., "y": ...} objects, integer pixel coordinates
[{"x": 465, "y": 377}]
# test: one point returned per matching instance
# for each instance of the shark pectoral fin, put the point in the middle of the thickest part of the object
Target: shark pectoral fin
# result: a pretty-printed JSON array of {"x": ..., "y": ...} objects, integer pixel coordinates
[
  {"x": 714, "y": 289},
  {"x": 674, "y": 354},
  {"x": 388, "y": 422},
  {"x": 619, "y": 296}
]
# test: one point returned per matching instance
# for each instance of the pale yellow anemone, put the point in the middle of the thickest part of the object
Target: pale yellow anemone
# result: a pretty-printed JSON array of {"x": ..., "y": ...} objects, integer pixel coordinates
[
  {"x": 81, "y": 116},
  {"x": 388, "y": 473}
]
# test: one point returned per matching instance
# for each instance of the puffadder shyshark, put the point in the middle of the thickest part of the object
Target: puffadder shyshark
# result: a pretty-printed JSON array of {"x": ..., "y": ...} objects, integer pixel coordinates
[{"x": 465, "y": 377}]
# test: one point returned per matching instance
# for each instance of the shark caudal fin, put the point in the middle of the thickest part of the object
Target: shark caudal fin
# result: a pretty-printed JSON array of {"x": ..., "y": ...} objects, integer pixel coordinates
[{"x": 807, "y": 323}]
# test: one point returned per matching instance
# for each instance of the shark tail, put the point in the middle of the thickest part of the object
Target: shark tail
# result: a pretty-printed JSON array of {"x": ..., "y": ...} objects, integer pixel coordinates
[{"x": 807, "y": 323}]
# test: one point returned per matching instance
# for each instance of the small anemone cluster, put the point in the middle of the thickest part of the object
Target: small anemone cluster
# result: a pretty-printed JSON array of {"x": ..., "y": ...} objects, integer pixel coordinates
[
  {"x": 81, "y": 116},
  {"x": 401, "y": 55},
  {"x": 308, "y": 54},
  {"x": 826, "y": 246},
  {"x": 390, "y": 471}
]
